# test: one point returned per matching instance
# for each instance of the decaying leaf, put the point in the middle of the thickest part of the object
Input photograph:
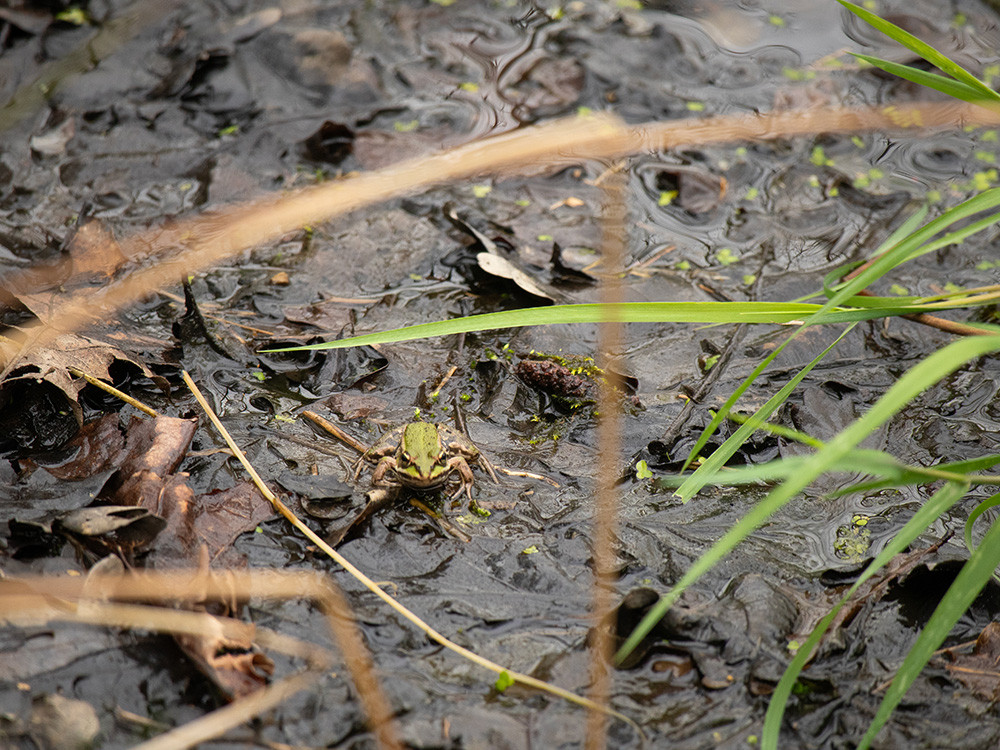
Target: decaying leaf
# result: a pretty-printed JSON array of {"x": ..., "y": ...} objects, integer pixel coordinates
[
  {"x": 219, "y": 517},
  {"x": 228, "y": 656},
  {"x": 110, "y": 529},
  {"x": 153, "y": 447},
  {"x": 497, "y": 265},
  {"x": 148, "y": 479},
  {"x": 52, "y": 365},
  {"x": 97, "y": 447},
  {"x": 980, "y": 670},
  {"x": 492, "y": 262},
  {"x": 235, "y": 665}
]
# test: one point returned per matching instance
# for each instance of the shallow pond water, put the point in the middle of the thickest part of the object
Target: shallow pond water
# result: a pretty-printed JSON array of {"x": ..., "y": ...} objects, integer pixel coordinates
[{"x": 213, "y": 102}]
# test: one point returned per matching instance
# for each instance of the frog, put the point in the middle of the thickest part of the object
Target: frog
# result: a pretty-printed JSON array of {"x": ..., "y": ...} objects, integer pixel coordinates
[{"x": 423, "y": 457}]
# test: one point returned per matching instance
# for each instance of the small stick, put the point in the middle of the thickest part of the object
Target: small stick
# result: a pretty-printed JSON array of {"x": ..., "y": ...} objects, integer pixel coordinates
[
  {"x": 113, "y": 391},
  {"x": 338, "y": 433},
  {"x": 528, "y": 475},
  {"x": 444, "y": 380},
  {"x": 443, "y": 523}
]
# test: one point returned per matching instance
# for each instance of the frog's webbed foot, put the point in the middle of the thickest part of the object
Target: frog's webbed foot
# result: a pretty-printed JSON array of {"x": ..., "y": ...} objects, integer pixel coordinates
[
  {"x": 383, "y": 466},
  {"x": 465, "y": 476},
  {"x": 462, "y": 487},
  {"x": 358, "y": 466}
]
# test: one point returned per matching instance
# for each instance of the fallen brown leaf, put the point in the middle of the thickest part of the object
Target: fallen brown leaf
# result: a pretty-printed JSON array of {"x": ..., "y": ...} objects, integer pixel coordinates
[{"x": 980, "y": 670}]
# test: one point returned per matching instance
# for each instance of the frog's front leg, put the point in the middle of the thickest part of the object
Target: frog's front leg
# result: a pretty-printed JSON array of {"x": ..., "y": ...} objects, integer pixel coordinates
[
  {"x": 466, "y": 477},
  {"x": 387, "y": 463}
]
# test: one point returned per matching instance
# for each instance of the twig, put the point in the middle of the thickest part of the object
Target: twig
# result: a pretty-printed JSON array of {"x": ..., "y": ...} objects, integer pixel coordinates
[
  {"x": 114, "y": 392},
  {"x": 338, "y": 433},
  {"x": 437, "y": 389},
  {"x": 528, "y": 475},
  {"x": 942, "y": 324}
]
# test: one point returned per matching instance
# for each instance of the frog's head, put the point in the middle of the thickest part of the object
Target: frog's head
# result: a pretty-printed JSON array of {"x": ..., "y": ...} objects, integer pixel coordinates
[{"x": 420, "y": 458}]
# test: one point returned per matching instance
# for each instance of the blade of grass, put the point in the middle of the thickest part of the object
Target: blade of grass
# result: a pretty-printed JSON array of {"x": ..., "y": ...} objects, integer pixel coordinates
[
  {"x": 893, "y": 472},
  {"x": 991, "y": 502},
  {"x": 925, "y": 51},
  {"x": 779, "y": 431},
  {"x": 768, "y": 313},
  {"x": 929, "y": 371},
  {"x": 708, "y": 312},
  {"x": 949, "y": 86},
  {"x": 935, "y": 506},
  {"x": 724, "y": 452},
  {"x": 970, "y": 580},
  {"x": 720, "y": 416},
  {"x": 875, "y": 463},
  {"x": 911, "y": 246},
  {"x": 899, "y": 251},
  {"x": 909, "y": 226},
  {"x": 953, "y": 471}
]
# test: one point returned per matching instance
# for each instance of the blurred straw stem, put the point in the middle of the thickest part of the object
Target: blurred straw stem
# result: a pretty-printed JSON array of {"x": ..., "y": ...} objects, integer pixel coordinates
[
  {"x": 609, "y": 439},
  {"x": 196, "y": 244}
]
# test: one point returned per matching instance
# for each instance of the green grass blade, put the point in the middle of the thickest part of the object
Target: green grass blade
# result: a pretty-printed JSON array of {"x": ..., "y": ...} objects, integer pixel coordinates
[
  {"x": 720, "y": 416},
  {"x": 774, "y": 313},
  {"x": 953, "y": 471},
  {"x": 905, "y": 229},
  {"x": 923, "y": 49},
  {"x": 935, "y": 506},
  {"x": 932, "y": 369},
  {"x": 911, "y": 246},
  {"x": 949, "y": 86},
  {"x": 779, "y": 430},
  {"x": 955, "y": 238},
  {"x": 990, "y": 502},
  {"x": 833, "y": 280},
  {"x": 977, "y": 570},
  {"x": 724, "y": 452},
  {"x": 874, "y": 463},
  {"x": 771, "y": 313},
  {"x": 871, "y": 462},
  {"x": 902, "y": 245}
]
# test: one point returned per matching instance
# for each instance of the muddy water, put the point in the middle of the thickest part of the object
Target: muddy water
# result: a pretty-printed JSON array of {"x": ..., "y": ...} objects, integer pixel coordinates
[{"x": 222, "y": 101}]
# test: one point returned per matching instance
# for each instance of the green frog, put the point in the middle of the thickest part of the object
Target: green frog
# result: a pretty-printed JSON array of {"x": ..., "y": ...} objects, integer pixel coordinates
[{"x": 423, "y": 457}]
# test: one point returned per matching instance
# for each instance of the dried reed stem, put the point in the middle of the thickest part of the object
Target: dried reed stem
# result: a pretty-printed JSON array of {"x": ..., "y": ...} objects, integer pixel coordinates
[
  {"x": 207, "y": 240},
  {"x": 609, "y": 434}
]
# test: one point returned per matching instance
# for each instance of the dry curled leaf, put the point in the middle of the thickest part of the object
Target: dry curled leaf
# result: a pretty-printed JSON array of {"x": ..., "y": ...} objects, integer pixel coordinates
[
  {"x": 234, "y": 664},
  {"x": 69, "y": 351}
]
